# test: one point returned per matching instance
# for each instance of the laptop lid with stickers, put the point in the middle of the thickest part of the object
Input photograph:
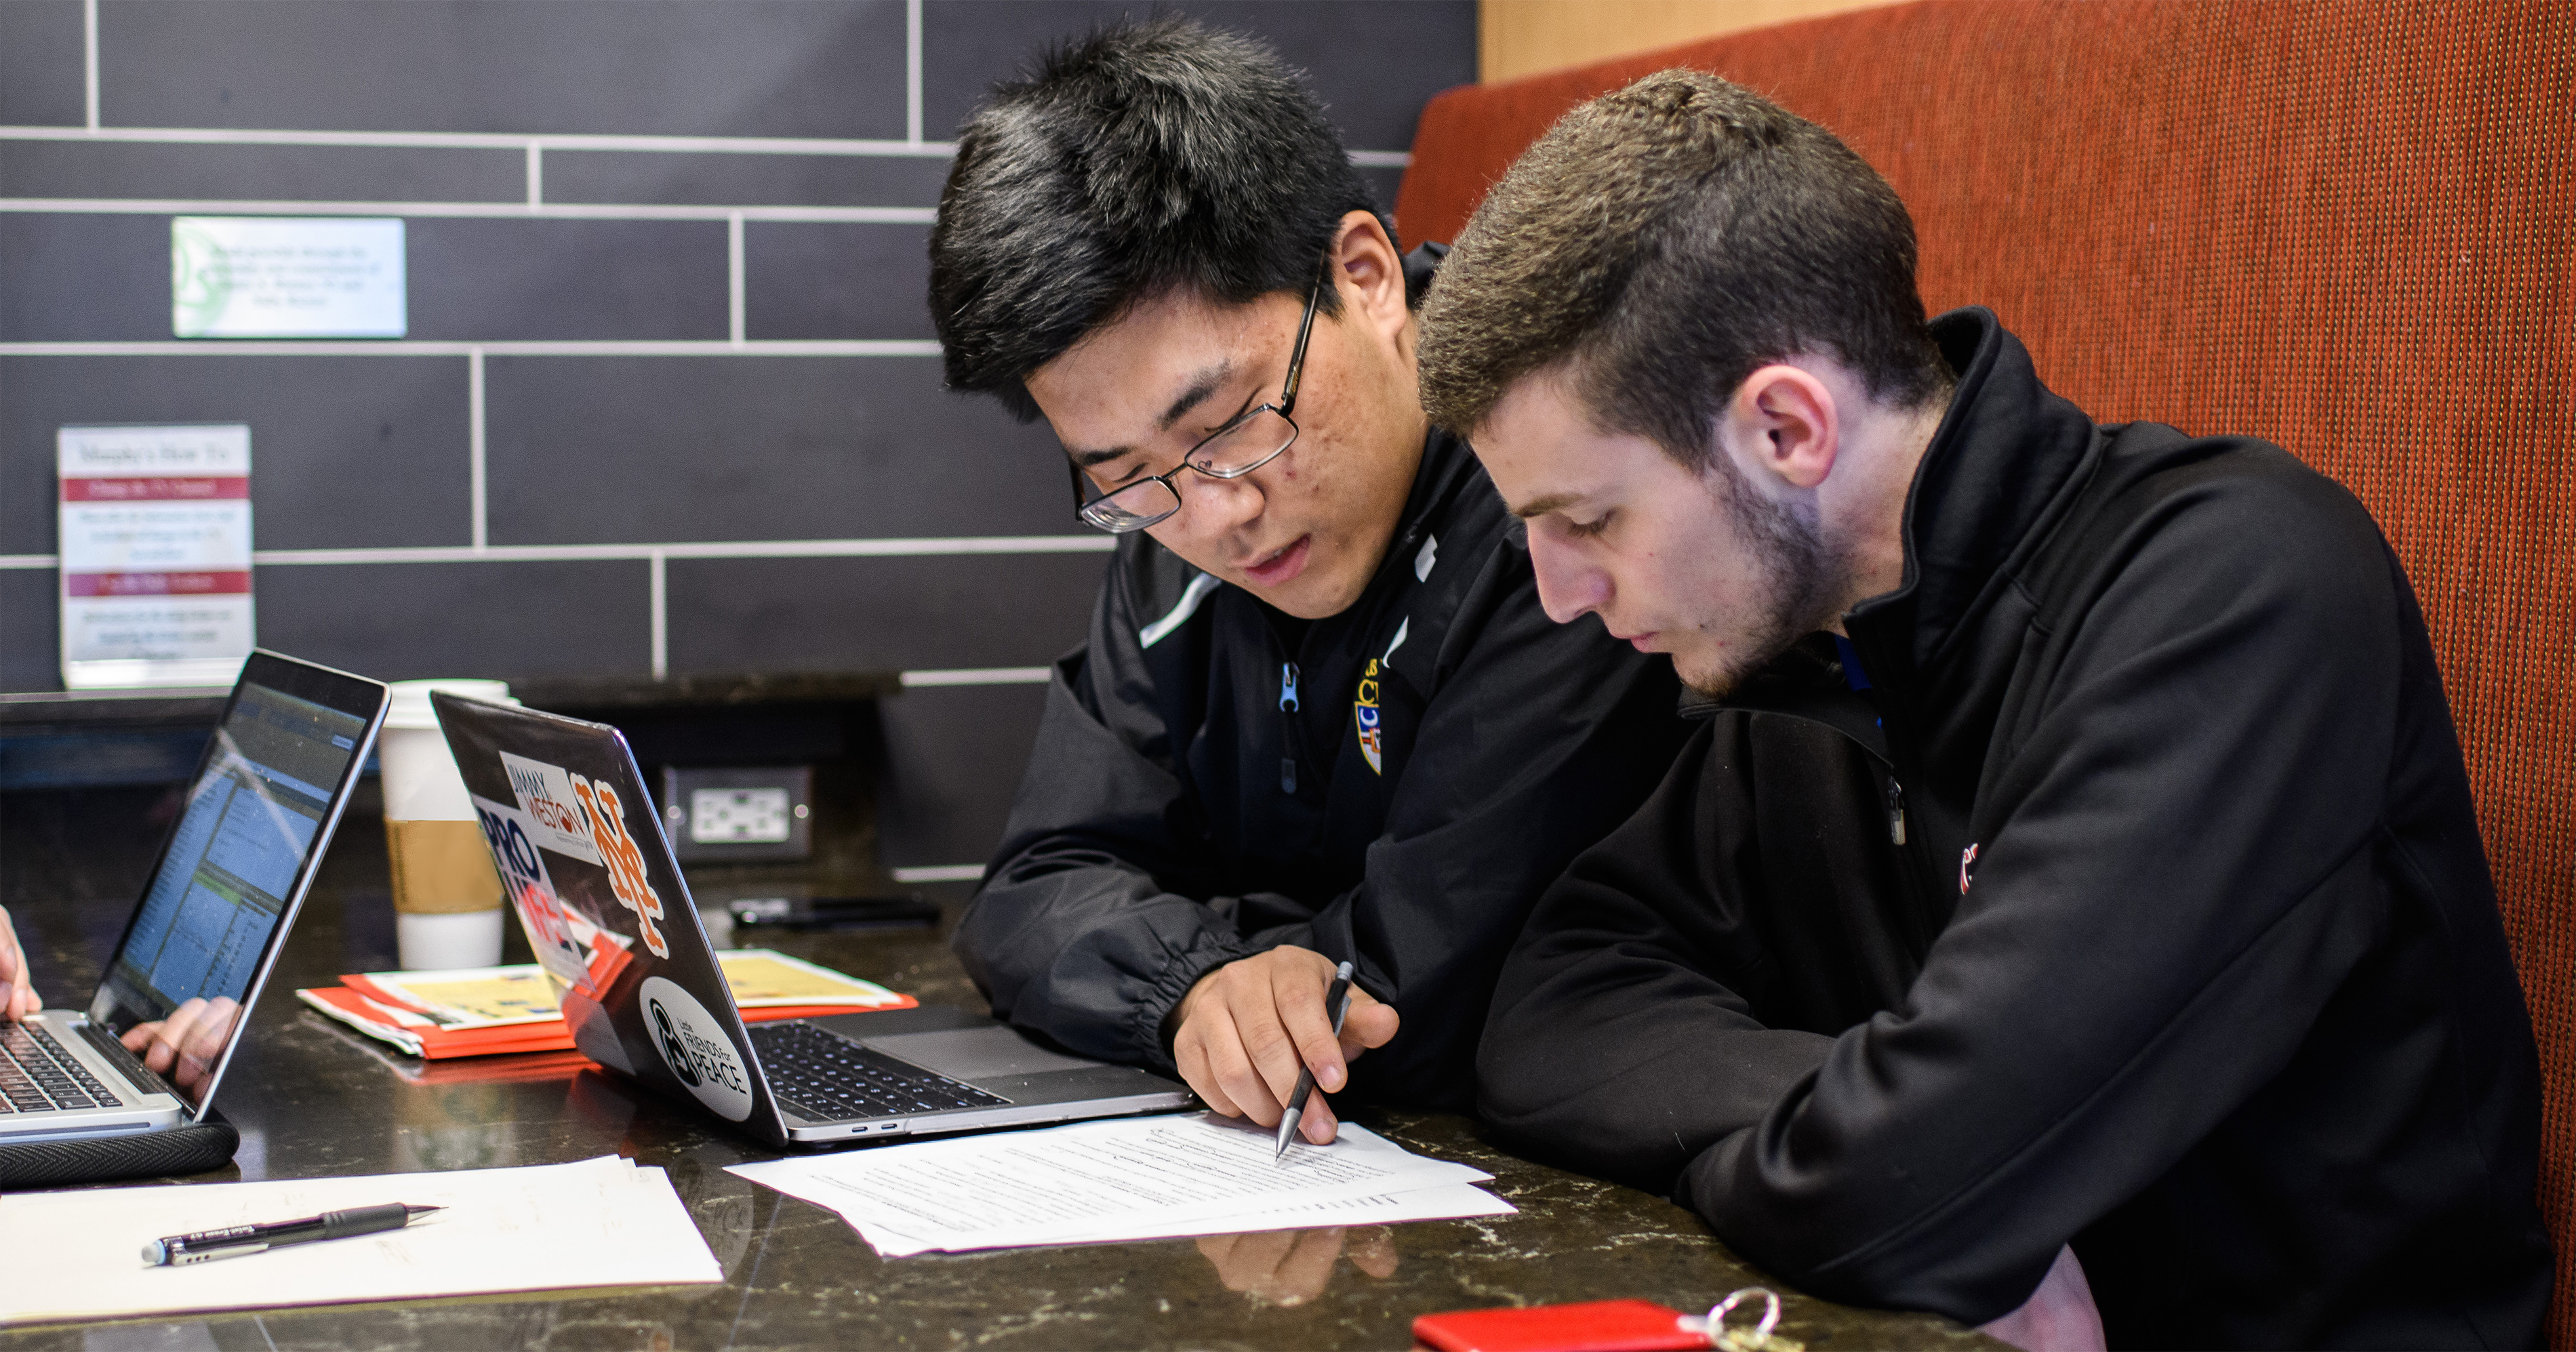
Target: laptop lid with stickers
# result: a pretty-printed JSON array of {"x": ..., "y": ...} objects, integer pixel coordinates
[{"x": 581, "y": 853}]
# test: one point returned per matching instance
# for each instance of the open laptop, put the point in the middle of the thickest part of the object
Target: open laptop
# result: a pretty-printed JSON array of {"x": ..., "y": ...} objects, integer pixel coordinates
[
  {"x": 259, "y": 813},
  {"x": 583, "y": 856}
]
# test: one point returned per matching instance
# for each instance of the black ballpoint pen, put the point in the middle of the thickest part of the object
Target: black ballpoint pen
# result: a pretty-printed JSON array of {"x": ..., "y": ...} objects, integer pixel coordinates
[
  {"x": 1338, "y": 1000},
  {"x": 175, "y": 1250}
]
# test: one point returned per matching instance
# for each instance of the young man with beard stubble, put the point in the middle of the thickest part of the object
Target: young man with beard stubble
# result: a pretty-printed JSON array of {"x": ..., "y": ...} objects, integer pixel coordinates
[
  {"x": 1321, "y": 715},
  {"x": 2077, "y": 861}
]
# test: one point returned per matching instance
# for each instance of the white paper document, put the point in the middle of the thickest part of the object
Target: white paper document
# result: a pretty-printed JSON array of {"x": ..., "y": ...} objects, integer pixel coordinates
[
  {"x": 1122, "y": 1179},
  {"x": 602, "y": 1222}
]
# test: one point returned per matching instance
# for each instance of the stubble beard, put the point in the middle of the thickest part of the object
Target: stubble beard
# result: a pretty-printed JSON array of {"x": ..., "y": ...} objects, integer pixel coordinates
[{"x": 1798, "y": 586}]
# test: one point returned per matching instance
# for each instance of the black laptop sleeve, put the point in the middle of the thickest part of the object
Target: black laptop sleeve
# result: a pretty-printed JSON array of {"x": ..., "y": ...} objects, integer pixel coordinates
[{"x": 192, "y": 1149}]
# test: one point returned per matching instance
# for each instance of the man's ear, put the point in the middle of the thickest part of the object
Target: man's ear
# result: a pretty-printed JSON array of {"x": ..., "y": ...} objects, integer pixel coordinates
[
  {"x": 1370, "y": 273},
  {"x": 1782, "y": 426}
]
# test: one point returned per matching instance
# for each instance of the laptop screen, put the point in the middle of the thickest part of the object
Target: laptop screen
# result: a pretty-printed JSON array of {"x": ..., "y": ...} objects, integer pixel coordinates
[{"x": 227, "y": 878}]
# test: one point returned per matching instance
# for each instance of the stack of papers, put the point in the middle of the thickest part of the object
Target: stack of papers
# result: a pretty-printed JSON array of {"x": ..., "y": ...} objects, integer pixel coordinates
[
  {"x": 483, "y": 1011},
  {"x": 602, "y": 1222},
  {"x": 1125, "y": 1178}
]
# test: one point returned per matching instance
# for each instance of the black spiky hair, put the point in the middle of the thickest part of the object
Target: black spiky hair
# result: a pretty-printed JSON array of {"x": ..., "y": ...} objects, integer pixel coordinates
[{"x": 1141, "y": 159}]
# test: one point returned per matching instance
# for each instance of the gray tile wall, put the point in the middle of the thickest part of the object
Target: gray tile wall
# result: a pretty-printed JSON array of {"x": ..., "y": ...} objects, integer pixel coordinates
[{"x": 668, "y": 400}]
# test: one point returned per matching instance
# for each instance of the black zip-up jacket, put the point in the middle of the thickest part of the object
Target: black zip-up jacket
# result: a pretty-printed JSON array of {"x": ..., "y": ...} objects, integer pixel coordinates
[
  {"x": 1394, "y": 785},
  {"x": 2136, "y": 902}
]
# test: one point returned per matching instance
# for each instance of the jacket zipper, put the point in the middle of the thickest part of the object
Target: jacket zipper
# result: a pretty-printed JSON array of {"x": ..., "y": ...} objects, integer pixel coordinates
[
  {"x": 1895, "y": 811},
  {"x": 1288, "y": 727}
]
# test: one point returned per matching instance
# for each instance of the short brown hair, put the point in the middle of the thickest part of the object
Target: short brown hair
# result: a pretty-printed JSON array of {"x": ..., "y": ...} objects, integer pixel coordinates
[{"x": 1665, "y": 241}]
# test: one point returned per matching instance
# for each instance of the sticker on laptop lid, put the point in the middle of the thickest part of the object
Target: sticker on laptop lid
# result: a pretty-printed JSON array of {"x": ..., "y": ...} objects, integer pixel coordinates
[
  {"x": 554, "y": 815},
  {"x": 696, "y": 1049},
  {"x": 624, "y": 862},
  {"x": 532, "y": 894}
]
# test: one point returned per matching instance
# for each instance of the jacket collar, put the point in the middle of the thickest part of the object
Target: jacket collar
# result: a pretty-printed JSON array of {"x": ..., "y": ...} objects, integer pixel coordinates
[
  {"x": 1447, "y": 467},
  {"x": 2004, "y": 459}
]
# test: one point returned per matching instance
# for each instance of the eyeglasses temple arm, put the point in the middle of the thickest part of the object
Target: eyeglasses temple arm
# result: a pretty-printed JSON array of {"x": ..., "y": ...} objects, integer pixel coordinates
[{"x": 1297, "y": 358}]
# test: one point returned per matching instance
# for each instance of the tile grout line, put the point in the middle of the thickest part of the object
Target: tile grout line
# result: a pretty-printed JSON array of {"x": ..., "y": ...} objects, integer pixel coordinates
[
  {"x": 910, "y": 148},
  {"x": 474, "y": 445},
  {"x": 451, "y": 347},
  {"x": 600, "y": 211},
  {"x": 938, "y": 873},
  {"x": 976, "y": 676},
  {"x": 89, "y": 61},
  {"x": 733, "y": 278},
  {"x": 661, "y": 618},
  {"x": 947, "y": 547},
  {"x": 911, "y": 71},
  {"x": 485, "y": 140}
]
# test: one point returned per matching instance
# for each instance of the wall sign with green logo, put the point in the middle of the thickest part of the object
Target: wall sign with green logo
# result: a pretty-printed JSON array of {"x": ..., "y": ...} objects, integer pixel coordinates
[{"x": 286, "y": 277}]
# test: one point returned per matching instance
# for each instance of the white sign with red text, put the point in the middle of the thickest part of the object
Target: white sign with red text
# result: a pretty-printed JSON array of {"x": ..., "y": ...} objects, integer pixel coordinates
[{"x": 154, "y": 554}]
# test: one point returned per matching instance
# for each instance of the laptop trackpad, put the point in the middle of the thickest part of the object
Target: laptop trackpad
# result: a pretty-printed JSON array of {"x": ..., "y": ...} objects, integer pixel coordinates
[{"x": 975, "y": 1053}]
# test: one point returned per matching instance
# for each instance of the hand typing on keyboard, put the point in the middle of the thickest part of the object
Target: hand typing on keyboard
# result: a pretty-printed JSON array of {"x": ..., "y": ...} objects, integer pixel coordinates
[{"x": 17, "y": 997}]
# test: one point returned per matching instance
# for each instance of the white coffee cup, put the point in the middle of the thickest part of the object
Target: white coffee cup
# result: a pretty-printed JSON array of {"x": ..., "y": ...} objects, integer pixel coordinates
[{"x": 447, "y": 897}]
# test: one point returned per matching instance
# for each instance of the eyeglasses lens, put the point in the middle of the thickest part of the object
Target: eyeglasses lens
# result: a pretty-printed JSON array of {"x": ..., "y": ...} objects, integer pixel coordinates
[
  {"x": 1231, "y": 454},
  {"x": 1134, "y": 507},
  {"x": 1245, "y": 447}
]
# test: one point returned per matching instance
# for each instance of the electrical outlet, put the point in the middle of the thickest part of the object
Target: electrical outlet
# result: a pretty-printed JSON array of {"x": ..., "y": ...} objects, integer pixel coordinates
[
  {"x": 738, "y": 816},
  {"x": 751, "y": 813}
]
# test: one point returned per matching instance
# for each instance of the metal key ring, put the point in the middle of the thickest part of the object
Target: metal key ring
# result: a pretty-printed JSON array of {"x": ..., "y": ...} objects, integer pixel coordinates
[{"x": 1761, "y": 1329}]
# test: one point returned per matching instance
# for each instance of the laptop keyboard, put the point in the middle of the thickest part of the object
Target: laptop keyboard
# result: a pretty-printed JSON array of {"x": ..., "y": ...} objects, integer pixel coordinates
[
  {"x": 824, "y": 1077},
  {"x": 37, "y": 1075}
]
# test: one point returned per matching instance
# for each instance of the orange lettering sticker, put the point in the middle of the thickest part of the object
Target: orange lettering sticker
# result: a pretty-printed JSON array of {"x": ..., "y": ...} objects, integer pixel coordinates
[{"x": 625, "y": 862}]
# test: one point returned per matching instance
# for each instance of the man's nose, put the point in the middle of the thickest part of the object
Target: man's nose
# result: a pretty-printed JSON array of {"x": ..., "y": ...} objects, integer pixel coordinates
[
  {"x": 1568, "y": 586},
  {"x": 1212, "y": 507}
]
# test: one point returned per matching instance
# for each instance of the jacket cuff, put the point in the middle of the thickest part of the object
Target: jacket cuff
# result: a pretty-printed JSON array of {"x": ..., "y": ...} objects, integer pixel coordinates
[{"x": 1155, "y": 1025}]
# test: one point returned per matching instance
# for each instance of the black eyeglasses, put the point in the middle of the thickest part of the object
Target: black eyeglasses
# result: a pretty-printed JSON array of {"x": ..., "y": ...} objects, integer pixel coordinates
[{"x": 1251, "y": 440}]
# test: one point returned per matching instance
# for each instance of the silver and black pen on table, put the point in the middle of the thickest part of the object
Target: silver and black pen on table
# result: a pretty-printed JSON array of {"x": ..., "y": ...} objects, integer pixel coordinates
[{"x": 236, "y": 1240}]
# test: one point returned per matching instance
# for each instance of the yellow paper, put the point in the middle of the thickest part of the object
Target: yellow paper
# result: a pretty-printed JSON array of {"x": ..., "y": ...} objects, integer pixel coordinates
[
  {"x": 484, "y": 997},
  {"x": 759, "y": 977},
  {"x": 477, "y": 997}
]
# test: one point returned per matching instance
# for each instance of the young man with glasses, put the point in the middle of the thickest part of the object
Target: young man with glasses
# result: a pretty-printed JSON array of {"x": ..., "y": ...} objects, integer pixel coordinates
[{"x": 1321, "y": 716}]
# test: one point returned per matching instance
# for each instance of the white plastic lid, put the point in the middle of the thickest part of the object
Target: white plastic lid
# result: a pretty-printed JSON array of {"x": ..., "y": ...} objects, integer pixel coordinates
[{"x": 410, "y": 708}]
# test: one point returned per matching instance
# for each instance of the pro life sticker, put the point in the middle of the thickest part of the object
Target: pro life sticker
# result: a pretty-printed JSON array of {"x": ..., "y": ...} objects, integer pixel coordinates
[
  {"x": 1364, "y": 713},
  {"x": 696, "y": 1049},
  {"x": 523, "y": 872}
]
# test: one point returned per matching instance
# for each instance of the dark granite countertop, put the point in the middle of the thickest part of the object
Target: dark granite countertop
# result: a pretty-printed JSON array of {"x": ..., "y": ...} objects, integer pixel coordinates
[{"x": 313, "y": 1099}]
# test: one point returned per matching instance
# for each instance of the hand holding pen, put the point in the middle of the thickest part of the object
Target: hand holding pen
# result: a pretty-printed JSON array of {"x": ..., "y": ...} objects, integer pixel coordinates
[
  {"x": 1247, "y": 1030},
  {"x": 1338, "y": 1000}
]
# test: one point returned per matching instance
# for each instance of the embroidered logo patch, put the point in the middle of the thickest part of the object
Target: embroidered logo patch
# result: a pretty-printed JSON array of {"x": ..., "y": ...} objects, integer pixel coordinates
[
  {"x": 1364, "y": 713},
  {"x": 1967, "y": 868}
]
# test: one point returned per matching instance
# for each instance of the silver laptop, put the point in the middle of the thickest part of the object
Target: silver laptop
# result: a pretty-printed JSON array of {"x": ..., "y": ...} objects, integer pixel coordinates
[
  {"x": 260, "y": 811},
  {"x": 582, "y": 854}
]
